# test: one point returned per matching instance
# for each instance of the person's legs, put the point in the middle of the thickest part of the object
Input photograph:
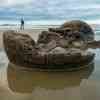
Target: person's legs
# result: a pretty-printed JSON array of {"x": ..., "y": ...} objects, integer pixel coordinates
[{"x": 21, "y": 27}]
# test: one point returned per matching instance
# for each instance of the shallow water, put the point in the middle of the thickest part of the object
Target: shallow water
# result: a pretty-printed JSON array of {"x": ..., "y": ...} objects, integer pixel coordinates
[{"x": 18, "y": 83}]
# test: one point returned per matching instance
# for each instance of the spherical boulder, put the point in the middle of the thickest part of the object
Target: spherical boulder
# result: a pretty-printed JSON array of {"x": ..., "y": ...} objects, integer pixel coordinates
[{"x": 80, "y": 26}]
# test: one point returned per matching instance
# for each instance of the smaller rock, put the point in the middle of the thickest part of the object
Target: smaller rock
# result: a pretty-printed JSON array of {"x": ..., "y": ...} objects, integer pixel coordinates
[
  {"x": 77, "y": 44},
  {"x": 58, "y": 50}
]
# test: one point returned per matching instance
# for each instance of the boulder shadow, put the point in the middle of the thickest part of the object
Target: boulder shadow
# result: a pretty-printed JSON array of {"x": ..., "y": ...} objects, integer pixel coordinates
[{"x": 24, "y": 80}]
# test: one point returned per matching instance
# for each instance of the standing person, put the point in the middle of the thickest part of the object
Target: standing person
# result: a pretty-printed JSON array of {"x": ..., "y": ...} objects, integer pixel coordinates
[{"x": 22, "y": 24}]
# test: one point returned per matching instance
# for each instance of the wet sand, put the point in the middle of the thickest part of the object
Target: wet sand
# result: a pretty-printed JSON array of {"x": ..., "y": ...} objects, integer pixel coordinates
[{"x": 17, "y": 83}]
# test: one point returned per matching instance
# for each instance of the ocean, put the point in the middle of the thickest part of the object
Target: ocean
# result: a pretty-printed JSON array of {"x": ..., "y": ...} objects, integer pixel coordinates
[{"x": 52, "y": 12}]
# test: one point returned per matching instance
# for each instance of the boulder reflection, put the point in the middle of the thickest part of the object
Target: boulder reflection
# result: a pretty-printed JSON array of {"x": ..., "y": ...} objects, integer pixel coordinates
[{"x": 24, "y": 80}]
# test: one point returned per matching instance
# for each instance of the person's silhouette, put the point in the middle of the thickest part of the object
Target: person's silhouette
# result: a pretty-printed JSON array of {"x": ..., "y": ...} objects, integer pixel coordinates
[{"x": 22, "y": 24}]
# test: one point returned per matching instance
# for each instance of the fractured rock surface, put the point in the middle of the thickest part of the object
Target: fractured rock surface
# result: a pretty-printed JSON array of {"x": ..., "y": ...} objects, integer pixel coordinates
[{"x": 59, "y": 46}]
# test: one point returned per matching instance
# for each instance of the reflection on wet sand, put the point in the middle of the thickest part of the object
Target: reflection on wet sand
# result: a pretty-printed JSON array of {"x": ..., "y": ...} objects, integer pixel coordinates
[{"x": 22, "y": 80}]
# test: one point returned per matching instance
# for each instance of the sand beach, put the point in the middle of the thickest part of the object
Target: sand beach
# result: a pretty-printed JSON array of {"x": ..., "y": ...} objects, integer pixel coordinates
[{"x": 18, "y": 83}]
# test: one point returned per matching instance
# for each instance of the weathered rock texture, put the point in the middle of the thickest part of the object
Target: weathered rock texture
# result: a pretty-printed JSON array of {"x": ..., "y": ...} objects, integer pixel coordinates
[
  {"x": 17, "y": 45},
  {"x": 54, "y": 47},
  {"x": 75, "y": 28}
]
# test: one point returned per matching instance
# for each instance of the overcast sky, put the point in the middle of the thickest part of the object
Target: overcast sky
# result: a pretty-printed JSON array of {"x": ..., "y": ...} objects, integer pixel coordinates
[{"x": 47, "y": 9}]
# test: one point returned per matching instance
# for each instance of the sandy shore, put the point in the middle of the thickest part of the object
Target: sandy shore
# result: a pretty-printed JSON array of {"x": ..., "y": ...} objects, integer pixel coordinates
[{"x": 77, "y": 86}]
